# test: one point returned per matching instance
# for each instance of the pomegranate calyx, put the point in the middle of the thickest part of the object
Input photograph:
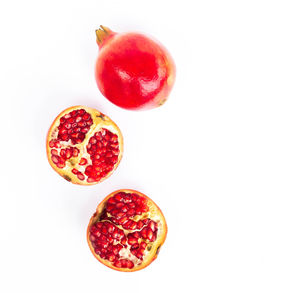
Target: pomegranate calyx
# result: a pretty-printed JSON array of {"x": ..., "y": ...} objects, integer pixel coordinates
[{"x": 102, "y": 33}]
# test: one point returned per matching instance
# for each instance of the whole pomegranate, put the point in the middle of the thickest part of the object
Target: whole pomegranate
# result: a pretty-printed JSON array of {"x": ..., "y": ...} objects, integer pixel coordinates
[
  {"x": 84, "y": 146},
  {"x": 132, "y": 70},
  {"x": 127, "y": 231}
]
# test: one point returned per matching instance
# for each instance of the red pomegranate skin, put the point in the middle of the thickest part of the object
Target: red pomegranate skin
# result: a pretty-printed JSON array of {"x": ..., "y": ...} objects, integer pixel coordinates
[{"x": 133, "y": 71}]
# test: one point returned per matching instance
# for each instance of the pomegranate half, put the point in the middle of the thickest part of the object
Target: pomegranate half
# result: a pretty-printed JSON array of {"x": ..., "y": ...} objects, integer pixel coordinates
[
  {"x": 127, "y": 231},
  {"x": 83, "y": 145},
  {"x": 133, "y": 71}
]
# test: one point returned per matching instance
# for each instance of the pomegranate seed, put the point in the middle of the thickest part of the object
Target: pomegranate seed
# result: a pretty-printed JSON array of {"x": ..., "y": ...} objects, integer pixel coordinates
[
  {"x": 83, "y": 161},
  {"x": 99, "y": 225},
  {"x": 124, "y": 263},
  {"x": 114, "y": 159},
  {"x": 146, "y": 221},
  {"x": 131, "y": 212},
  {"x": 85, "y": 130},
  {"x": 127, "y": 198},
  {"x": 123, "y": 220},
  {"x": 57, "y": 144},
  {"x": 111, "y": 257},
  {"x": 80, "y": 176},
  {"x": 62, "y": 152},
  {"x": 110, "y": 228},
  {"x": 81, "y": 124},
  {"x": 127, "y": 224},
  {"x": 122, "y": 234},
  {"x": 133, "y": 226},
  {"x": 86, "y": 116},
  {"x": 73, "y": 113},
  {"x": 68, "y": 125},
  {"x": 118, "y": 264},
  {"x": 51, "y": 143},
  {"x": 109, "y": 208},
  {"x": 143, "y": 244},
  {"x": 115, "y": 149},
  {"x": 124, "y": 209},
  {"x": 74, "y": 171},
  {"x": 68, "y": 154},
  {"x": 54, "y": 152},
  {"x": 120, "y": 215},
  {"x": 119, "y": 205},
  {"x": 96, "y": 233},
  {"x": 75, "y": 152},
  {"x": 105, "y": 245},
  {"x": 131, "y": 205},
  {"x": 153, "y": 238},
  {"x": 134, "y": 246},
  {"x": 92, "y": 238},
  {"x": 140, "y": 224},
  {"x": 152, "y": 225},
  {"x": 115, "y": 250},
  {"x": 139, "y": 255},
  {"x": 78, "y": 119},
  {"x": 141, "y": 250},
  {"x": 144, "y": 233},
  {"x": 103, "y": 239},
  {"x": 114, "y": 212},
  {"x": 74, "y": 135},
  {"x": 115, "y": 234},
  {"x": 93, "y": 140},
  {"x": 114, "y": 138},
  {"x": 104, "y": 230},
  {"x": 54, "y": 159},
  {"x": 118, "y": 197},
  {"x": 130, "y": 264},
  {"x": 149, "y": 234},
  {"x": 132, "y": 240}
]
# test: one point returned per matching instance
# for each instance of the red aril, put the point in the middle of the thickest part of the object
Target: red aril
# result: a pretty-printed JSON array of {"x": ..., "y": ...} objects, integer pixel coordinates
[
  {"x": 84, "y": 146},
  {"x": 132, "y": 70},
  {"x": 127, "y": 231}
]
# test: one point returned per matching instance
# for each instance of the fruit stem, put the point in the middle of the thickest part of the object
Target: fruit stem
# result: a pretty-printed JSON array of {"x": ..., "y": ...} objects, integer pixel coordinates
[{"x": 102, "y": 34}]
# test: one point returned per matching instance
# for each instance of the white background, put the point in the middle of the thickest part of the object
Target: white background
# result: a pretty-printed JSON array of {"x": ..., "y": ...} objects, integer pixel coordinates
[{"x": 221, "y": 157}]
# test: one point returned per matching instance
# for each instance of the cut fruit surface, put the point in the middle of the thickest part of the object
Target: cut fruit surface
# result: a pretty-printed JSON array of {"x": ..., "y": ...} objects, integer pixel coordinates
[
  {"x": 84, "y": 146},
  {"x": 126, "y": 231}
]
